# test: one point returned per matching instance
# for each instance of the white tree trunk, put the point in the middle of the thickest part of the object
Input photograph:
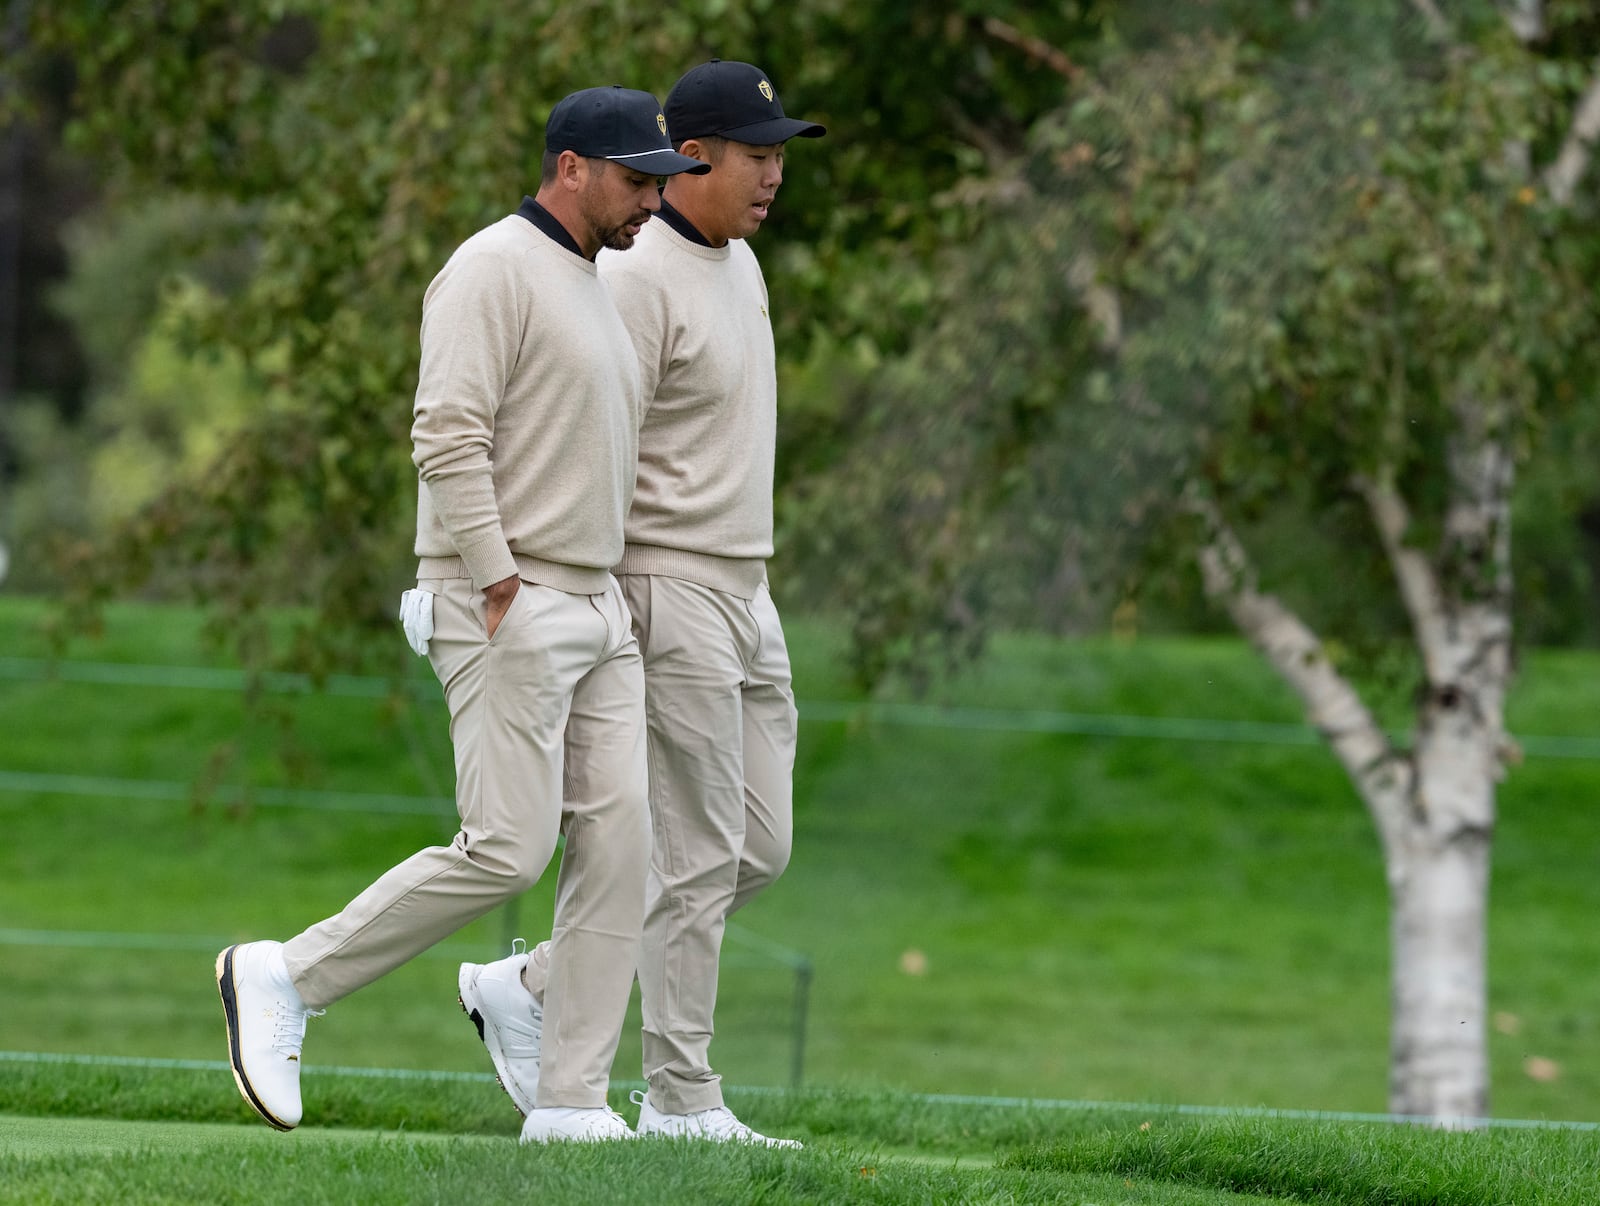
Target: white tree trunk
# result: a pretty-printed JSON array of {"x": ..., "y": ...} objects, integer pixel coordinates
[
  {"x": 1438, "y": 1063},
  {"x": 1439, "y": 891},
  {"x": 1434, "y": 804},
  {"x": 1460, "y": 607}
]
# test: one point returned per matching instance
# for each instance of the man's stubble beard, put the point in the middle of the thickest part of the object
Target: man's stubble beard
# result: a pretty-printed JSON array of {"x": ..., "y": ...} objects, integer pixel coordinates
[{"x": 618, "y": 238}]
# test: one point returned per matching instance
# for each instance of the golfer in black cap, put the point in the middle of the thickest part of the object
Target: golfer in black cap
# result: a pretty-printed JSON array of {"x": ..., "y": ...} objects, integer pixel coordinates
[
  {"x": 718, "y": 695},
  {"x": 525, "y": 437},
  {"x": 720, "y": 707}
]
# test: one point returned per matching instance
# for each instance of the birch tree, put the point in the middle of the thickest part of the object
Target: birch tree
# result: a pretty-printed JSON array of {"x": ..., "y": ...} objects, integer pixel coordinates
[
  {"x": 1297, "y": 325},
  {"x": 1432, "y": 798}
]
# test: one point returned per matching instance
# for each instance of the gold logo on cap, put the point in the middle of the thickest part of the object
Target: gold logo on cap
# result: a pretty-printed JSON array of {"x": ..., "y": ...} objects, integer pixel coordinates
[
  {"x": 661, "y": 121},
  {"x": 766, "y": 89}
]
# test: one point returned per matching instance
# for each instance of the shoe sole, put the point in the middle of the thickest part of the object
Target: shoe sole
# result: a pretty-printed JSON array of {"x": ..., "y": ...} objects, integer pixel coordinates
[
  {"x": 467, "y": 987},
  {"x": 230, "y": 1012}
]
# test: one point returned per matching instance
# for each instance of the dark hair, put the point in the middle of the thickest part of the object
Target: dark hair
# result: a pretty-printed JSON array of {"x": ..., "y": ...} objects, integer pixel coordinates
[
  {"x": 715, "y": 145},
  {"x": 547, "y": 166}
]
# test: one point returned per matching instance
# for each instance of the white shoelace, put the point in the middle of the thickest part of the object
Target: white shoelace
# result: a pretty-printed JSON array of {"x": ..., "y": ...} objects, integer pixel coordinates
[
  {"x": 720, "y": 1123},
  {"x": 611, "y": 1123},
  {"x": 289, "y": 1028}
]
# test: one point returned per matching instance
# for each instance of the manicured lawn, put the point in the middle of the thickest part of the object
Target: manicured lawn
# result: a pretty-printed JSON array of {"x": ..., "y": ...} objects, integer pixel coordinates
[
  {"x": 987, "y": 910},
  {"x": 882, "y": 1148}
]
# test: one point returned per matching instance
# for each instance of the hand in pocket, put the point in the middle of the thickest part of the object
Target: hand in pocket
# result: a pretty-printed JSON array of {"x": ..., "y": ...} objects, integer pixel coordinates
[{"x": 497, "y": 601}]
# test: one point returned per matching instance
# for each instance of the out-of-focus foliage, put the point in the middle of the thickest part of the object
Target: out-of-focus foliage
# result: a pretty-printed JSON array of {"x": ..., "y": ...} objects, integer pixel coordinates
[
  {"x": 40, "y": 188},
  {"x": 1292, "y": 212},
  {"x": 156, "y": 408},
  {"x": 1257, "y": 275},
  {"x": 167, "y": 415},
  {"x": 127, "y": 259},
  {"x": 1557, "y": 533},
  {"x": 369, "y": 139}
]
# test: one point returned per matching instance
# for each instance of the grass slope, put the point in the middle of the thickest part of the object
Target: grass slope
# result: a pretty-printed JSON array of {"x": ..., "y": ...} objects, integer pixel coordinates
[
  {"x": 990, "y": 912},
  {"x": 1092, "y": 1158},
  {"x": 328, "y": 1167},
  {"x": 1346, "y": 1164}
]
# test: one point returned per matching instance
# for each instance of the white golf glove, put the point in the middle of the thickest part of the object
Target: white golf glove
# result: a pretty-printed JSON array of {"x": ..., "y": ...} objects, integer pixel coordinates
[{"x": 416, "y": 617}]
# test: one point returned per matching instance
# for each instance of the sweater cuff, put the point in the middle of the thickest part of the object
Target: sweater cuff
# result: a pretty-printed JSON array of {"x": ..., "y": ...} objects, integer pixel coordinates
[{"x": 488, "y": 560}]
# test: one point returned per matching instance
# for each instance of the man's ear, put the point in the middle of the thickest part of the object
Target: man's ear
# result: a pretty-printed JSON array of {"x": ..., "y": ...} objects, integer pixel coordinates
[
  {"x": 571, "y": 170},
  {"x": 695, "y": 149}
]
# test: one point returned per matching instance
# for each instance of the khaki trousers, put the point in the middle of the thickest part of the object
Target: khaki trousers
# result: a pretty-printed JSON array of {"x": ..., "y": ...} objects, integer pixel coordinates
[
  {"x": 547, "y": 720},
  {"x": 720, "y": 709}
]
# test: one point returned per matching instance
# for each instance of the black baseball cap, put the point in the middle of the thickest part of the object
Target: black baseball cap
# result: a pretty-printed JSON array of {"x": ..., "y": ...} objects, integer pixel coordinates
[
  {"x": 733, "y": 100},
  {"x": 618, "y": 124}
]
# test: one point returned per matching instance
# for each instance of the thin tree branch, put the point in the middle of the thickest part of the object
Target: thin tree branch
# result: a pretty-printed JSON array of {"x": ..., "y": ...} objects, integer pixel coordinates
[
  {"x": 1382, "y": 774},
  {"x": 1419, "y": 585},
  {"x": 1562, "y": 176},
  {"x": 1035, "y": 48}
]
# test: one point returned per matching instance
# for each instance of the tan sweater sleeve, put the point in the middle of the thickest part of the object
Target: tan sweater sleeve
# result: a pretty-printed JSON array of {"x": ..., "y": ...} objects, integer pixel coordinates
[{"x": 471, "y": 335}]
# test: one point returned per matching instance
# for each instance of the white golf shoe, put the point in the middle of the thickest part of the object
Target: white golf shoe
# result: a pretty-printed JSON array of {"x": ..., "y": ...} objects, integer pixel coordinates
[
  {"x": 266, "y": 1026},
  {"x": 572, "y": 1124},
  {"x": 509, "y": 1021},
  {"x": 718, "y": 1125}
]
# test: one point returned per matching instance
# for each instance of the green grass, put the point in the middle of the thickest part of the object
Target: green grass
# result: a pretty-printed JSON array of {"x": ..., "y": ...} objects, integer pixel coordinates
[
  {"x": 1362, "y": 1165},
  {"x": 887, "y": 1148},
  {"x": 1113, "y": 919},
  {"x": 162, "y": 1162},
  {"x": 1106, "y": 919}
]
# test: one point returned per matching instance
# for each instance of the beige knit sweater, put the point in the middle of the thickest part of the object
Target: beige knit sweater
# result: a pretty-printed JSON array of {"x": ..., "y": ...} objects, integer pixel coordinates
[
  {"x": 526, "y": 424},
  {"x": 702, "y": 507}
]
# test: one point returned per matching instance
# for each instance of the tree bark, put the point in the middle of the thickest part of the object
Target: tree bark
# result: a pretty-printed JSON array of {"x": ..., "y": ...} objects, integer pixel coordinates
[
  {"x": 1438, "y": 889},
  {"x": 1382, "y": 774},
  {"x": 1562, "y": 176},
  {"x": 1461, "y": 744},
  {"x": 1433, "y": 804}
]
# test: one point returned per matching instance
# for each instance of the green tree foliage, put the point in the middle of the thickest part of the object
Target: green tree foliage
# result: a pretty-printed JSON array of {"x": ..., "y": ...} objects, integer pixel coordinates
[
  {"x": 1259, "y": 275},
  {"x": 1263, "y": 216},
  {"x": 156, "y": 408},
  {"x": 168, "y": 416},
  {"x": 368, "y": 139}
]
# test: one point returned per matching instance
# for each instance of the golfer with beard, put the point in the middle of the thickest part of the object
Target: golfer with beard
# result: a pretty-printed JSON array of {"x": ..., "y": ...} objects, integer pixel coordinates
[{"x": 524, "y": 436}]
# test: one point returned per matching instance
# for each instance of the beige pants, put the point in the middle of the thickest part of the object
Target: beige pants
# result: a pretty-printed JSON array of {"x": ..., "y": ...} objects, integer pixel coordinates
[
  {"x": 547, "y": 720},
  {"x": 722, "y": 724}
]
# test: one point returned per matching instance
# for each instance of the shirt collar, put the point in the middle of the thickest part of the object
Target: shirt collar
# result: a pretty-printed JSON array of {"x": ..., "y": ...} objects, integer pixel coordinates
[
  {"x": 681, "y": 224},
  {"x": 547, "y": 222}
]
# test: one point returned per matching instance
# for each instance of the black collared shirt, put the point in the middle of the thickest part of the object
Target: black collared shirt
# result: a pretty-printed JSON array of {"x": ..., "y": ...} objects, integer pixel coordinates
[
  {"x": 550, "y": 225},
  {"x": 681, "y": 224}
]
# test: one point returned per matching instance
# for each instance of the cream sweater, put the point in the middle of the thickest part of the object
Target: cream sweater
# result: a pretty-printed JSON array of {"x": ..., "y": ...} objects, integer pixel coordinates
[
  {"x": 702, "y": 507},
  {"x": 525, "y": 434}
]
